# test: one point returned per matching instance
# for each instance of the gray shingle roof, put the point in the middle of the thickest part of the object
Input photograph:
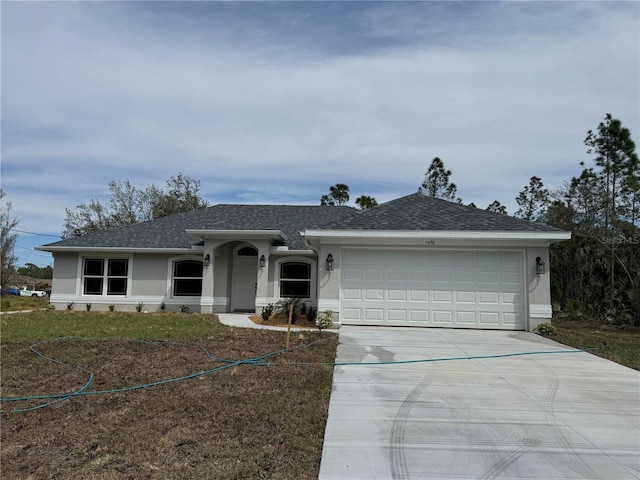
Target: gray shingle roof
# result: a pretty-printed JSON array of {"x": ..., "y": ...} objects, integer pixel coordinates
[
  {"x": 412, "y": 212},
  {"x": 419, "y": 212},
  {"x": 169, "y": 232}
]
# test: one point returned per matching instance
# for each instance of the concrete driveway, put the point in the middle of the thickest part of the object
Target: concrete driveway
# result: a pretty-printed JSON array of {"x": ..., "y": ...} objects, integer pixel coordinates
[{"x": 546, "y": 416}]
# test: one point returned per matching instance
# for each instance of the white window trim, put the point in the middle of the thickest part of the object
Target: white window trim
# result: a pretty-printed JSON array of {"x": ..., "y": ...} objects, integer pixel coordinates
[
  {"x": 170, "y": 263},
  {"x": 105, "y": 276},
  {"x": 312, "y": 262}
]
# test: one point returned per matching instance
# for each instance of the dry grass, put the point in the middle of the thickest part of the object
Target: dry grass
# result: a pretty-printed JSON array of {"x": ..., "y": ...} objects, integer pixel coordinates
[{"x": 243, "y": 422}]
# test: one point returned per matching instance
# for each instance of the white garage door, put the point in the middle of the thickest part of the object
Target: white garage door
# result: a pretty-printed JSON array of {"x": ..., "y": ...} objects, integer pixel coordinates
[{"x": 453, "y": 288}]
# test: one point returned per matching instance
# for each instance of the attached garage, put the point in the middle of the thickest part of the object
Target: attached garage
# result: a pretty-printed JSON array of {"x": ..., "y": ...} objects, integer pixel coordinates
[{"x": 436, "y": 288}]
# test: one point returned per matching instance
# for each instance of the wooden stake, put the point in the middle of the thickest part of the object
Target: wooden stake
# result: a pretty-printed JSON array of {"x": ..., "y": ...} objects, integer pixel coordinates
[{"x": 289, "y": 326}]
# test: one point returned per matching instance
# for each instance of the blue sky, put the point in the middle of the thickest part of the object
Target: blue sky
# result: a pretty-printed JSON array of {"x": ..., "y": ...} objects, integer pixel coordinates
[{"x": 273, "y": 102}]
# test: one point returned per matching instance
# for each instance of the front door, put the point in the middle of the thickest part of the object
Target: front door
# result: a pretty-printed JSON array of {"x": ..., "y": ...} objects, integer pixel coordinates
[{"x": 245, "y": 278}]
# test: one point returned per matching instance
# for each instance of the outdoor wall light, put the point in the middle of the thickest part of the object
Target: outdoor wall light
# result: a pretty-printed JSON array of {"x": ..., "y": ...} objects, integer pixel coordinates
[
  {"x": 262, "y": 262},
  {"x": 329, "y": 262},
  {"x": 207, "y": 260},
  {"x": 539, "y": 266}
]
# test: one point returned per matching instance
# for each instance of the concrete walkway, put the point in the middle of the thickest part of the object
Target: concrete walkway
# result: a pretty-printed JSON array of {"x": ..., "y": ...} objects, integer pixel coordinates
[{"x": 541, "y": 416}]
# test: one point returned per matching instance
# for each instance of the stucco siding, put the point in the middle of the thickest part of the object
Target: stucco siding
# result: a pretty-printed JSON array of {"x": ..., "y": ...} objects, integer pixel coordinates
[
  {"x": 65, "y": 273},
  {"x": 149, "y": 275}
]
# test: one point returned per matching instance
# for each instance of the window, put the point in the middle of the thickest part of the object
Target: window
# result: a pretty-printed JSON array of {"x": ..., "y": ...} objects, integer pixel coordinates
[
  {"x": 295, "y": 280},
  {"x": 114, "y": 276},
  {"x": 187, "y": 278}
]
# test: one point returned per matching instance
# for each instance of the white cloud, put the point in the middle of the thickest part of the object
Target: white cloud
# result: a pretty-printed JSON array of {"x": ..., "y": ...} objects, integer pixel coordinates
[{"x": 275, "y": 102}]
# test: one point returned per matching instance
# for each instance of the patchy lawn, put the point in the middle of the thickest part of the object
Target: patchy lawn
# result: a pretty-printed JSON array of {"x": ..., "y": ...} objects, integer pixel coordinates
[
  {"x": 619, "y": 344},
  {"x": 10, "y": 303},
  {"x": 242, "y": 421}
]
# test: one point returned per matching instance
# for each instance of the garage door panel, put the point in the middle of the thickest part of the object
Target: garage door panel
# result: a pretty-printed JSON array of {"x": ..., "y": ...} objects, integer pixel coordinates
[
  {"x": 465, "y": 297},
  {"x": 442, "y": 296},
  {"x": 512, "y": 278},
  {"x": 441, "y": 276},
  {"x": 397, "y": 295},
  {"x": 465, "y": 276},
  {"x": 352, "y": 273},
  {"x": 464, "y": 289},
  {"x": 466, "y": 318},
  {"x": 351, "y": 314},
  {"x": 443, "y": 317},
  {"x": 396, "y": 275},
  {"x": 488, "y": 297},
  {"x": 352, "y": 294},
  {"x": 512, "y": 298},
  {"x": 418, "y": 275},
  {"x": 489, "y": 318},
  {"x": 396, "y": 315},
  {"x": 374, "y": 314},
  {"x": 374, "y": 295},
  {"x": 419, "y": 316},
  {"x": 419, "y": 295},
  {"x": 374, "y": 274},
  {"x": 515, "y": 319}
]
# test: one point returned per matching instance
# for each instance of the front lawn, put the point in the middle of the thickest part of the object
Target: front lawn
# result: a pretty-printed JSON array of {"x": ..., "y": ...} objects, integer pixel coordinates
[
  {"x": 619, "y": 344},
  {"x": 263, "y": 419}
]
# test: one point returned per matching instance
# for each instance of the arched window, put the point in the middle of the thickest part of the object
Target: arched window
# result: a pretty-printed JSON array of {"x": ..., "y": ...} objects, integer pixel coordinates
[
  {"x": 295, "y": 279},
  {"x": 187, "y": 278}
]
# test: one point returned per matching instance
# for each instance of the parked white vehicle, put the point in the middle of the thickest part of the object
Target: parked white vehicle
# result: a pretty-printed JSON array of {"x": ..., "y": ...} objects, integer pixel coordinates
[{"x": 30, "y": 291}]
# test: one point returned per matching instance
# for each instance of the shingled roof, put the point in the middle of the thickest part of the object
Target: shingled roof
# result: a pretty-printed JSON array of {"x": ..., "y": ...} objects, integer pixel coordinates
[
  {"x": 170, "y": 232},
  {"x": 409, "y": 213},
  {"x": 420, "y": 212}
]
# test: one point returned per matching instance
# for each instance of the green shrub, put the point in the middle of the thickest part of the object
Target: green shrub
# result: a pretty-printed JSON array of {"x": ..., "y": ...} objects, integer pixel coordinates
[
  {"x": 325, "y": 320},
  {"x": 545, "y": 329},
  {"x": 283, "y": 306},
  {"x": 112, "y": 308},
  {"x": 312, "y": 313},
  {"x": 51, "y": 306},
  {"x": 88, "y": 307},
  {"x": 139, "y": 307},
  {"x": 185, "y": 309},
  {"x": 267, "y": 312},
  {"x": 163, "y": 307},
  {"x": 70, "y": 306}
]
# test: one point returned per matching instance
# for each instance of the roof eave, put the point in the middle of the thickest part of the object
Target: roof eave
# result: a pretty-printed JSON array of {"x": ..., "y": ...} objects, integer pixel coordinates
[
  {"x": 53, "y": 249},
  {"x": 555, "y": 236},
  {"x": 232, "y": 234}
]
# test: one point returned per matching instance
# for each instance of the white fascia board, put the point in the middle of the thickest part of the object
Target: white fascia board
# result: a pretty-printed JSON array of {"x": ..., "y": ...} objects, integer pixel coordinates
[
  {"x": 195, "y": 249},
  {"x": 235, "y": 234},
  {"x": 435, "y": 235},
  {"x": 283, "y": 250}
]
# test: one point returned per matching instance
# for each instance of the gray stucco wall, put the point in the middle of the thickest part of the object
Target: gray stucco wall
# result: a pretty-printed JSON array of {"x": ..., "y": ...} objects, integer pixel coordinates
[{"x": 65, "y": 273}]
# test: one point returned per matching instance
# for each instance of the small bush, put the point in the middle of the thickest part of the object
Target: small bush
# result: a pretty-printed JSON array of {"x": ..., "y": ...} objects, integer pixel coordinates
[
  {"x": 185, "y": 309},
  {"x": 163, "y": 307},
  {"x": 51, "y": 306},
  {"x": 545, "y": 329},
  {"x": 285, "y": 304},
  {"x": 267, "y": 312},
  {"x": 325, "y": 320},
  {"x": 88, "y": 307},
  {"x": 139, "y": 307},
  {"x": 112, "y": 308},
  {"x": 312, "y": 313},
  {"x": 70, "y": 306}
]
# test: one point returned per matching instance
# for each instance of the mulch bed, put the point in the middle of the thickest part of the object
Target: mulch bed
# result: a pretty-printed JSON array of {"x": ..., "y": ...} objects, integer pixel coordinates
[{"x": 283, "y": 320}]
